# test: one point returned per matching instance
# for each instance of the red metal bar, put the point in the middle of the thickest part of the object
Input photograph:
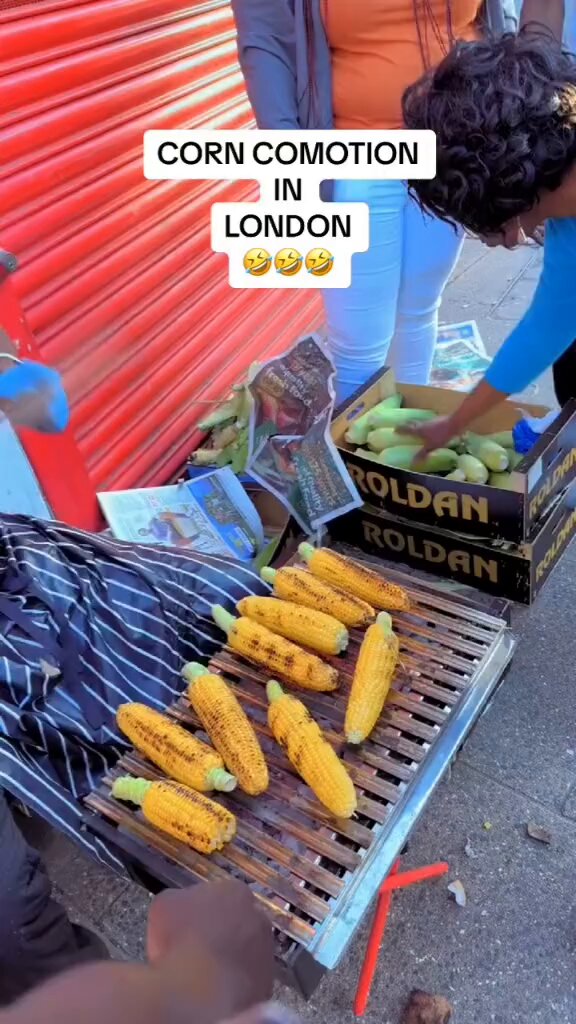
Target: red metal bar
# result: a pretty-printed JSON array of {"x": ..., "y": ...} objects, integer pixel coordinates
[
  {"x": 121, "y": 142},
  {"x": 395, "y": 880},
  {"x": 70, "y": 25},
  {"x": 73, "y": 75},
  {"x": 373, "y": 948},
  {"x": 408, "y": 878}
]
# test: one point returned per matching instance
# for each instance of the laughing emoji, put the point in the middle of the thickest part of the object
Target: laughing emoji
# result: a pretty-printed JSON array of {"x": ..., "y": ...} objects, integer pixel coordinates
[
  {"x": 288, "y": 262},
  {"x": 319, "y": 262},
  {"x": 257, "y": 262}
]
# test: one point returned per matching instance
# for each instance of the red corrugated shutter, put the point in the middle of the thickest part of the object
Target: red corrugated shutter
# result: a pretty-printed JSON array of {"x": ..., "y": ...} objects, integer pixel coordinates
[{"x": 117, "y": 276}]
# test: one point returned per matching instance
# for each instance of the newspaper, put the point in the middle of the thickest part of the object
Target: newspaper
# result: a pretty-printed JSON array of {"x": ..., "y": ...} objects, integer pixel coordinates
[
  {"x": 292, "y": 453},
  {"x": 211, "y": 514},
  {"x": 460, "y": 359}
]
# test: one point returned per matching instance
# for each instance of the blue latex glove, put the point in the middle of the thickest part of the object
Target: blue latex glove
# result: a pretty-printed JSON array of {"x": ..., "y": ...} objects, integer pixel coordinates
[
  {"x": 524, "y": 437},
  {"x": 529, "y": 430},
  {"x": 33, "y": 396}
]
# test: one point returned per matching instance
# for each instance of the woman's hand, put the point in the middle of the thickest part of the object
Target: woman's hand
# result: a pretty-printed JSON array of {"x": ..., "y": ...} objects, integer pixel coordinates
[
  {"x": 511, "y": 236},
  {"x": 433, "y": 434},
  {"x": 516, "y": 233},
  {"x": 438, "y": 433}
]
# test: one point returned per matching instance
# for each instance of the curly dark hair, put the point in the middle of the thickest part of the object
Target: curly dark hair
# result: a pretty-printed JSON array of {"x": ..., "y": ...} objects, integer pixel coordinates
[{"x": 504, "y": 114}]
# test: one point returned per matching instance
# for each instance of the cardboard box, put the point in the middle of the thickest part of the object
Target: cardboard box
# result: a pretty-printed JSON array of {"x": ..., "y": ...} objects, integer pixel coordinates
[
  {"x": 516, "y": 573},
  {"x": 474, "y": 509},
  {"x": 283, "y": 532}
]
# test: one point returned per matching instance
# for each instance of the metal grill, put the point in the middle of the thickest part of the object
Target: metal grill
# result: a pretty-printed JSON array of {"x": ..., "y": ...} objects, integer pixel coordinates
[{"x": 315, "y": 876}]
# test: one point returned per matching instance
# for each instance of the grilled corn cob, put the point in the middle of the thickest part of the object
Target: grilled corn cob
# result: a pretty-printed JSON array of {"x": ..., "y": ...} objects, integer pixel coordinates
[
  {"x": 313, "y": 629},
  {"x": 301, "y": 587},
  {"x": 181, "y": 812},
  {"x": 173, "y": 749},
  {"x": 359, "y": 580},
  {"x": 372, "y": 679},
  {"x": 260, "y": 645},
  {"x": 309, "y": 752},
  {"x": 228, "y": 727}
]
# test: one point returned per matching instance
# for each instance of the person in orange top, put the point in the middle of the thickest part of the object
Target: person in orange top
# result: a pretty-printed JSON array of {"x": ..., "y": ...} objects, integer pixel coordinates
[
  {"x": 380, "y": 47},
  {"x": 334, "y": 63}
]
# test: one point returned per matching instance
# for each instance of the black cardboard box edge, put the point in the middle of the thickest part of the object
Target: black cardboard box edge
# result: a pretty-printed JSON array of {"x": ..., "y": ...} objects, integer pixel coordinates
[
  {"x": 469, "y": 508},
  {"x": 516, "y": 574}
]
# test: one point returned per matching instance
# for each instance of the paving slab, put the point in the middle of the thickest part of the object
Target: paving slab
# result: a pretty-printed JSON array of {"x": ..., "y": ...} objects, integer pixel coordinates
[
  {"x": 527, "y": 737},
  {"x": 508, "y": 955}
]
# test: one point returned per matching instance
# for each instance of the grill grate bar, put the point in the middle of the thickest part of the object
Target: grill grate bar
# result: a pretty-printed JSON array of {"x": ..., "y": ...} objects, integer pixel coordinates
[
  {"x": 202, "y": 868},
  {"x": 304, "y": 866}
]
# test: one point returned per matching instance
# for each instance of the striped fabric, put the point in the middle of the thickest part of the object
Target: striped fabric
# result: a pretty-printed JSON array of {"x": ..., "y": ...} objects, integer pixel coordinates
[{"x": 87, "y": 623}]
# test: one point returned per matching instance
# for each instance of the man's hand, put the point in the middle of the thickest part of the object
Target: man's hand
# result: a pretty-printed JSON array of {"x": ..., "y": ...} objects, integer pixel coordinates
[
  {"x": 211, "y": 959},
  {"x": 232, "y": 929}
]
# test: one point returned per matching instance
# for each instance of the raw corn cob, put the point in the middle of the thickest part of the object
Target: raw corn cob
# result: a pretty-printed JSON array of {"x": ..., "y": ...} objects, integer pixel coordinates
[
  {"x": 306, "y": 626},
  {"x": 503, "y": 480},
  {"x": 389, "y": 437},
  {"x": 227, "y": 411},
  {"x": 385, "y": 437},
  {"x": 456, "y": 474},
  {"x": 260, "y": 645},
  {"x": 358, "y": 430},
  {"x": 474, "y": 470},
  {"x": 179, "y": 811},
  {"x": 489, "y": 452},
  {"x": 372, "y": 679},
  {"x": 357, "y": 579},
  {"x": 505, "y": 438},
  {"x": 301, "y": 587},
  {"x": 386, "y": 417},
  {"x": 370, "y": 456},
  {"x": 228, "y": 727},
  {"x": 405, "y": 456},
  {"x": 309, "y": 752},
  {"x": 173, "y": 749},
  {"x": 514, "y": 458}
]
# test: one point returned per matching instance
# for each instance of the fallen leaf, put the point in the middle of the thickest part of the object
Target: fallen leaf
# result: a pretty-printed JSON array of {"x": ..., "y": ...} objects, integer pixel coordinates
[
  {"x": 469, "y": 850},
  {"x": 542, "y": 835},
  {"x": 423, "y": 1008},
  {"x": 458, "y": 891}
]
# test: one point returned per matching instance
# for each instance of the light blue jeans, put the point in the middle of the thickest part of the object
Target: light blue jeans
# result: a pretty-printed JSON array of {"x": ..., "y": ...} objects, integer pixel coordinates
[{"x": 389, "y": 315}]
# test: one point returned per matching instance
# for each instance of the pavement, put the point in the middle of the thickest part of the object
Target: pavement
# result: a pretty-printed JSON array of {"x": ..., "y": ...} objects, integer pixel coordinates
[{"x": 508, "y": 956}]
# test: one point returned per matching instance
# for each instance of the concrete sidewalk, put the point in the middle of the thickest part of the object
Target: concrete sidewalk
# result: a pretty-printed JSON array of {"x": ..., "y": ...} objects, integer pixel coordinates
[{"x": 509, "y": 955}]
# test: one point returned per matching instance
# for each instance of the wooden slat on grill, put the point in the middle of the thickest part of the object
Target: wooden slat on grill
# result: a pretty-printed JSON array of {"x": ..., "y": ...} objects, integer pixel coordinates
[{"x": 298, "y": 860}]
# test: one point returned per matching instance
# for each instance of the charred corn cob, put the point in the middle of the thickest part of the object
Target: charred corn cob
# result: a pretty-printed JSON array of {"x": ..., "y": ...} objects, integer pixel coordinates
[
  {"x": 228, "y": 727},
  {"x": 301, "y": 587},
  {"x": 358, "y": 579},
  {"x": 309, "y": 752},
  {"x": 314, "y": 629},
  {"x": 173, "y": 749},
  {"x": 372, "y": 679},
  {"x": 181, "y": 812},
  {"x": 260, "y": 645}
]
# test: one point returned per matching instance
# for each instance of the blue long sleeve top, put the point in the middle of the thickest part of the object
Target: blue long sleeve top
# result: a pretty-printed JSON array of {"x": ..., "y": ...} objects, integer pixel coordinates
[{"x": 549, "y": 327}]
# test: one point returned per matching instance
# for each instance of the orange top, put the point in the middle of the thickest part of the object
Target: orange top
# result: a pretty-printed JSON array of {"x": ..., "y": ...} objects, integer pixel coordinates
[{"x": 376, "y": 53}]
